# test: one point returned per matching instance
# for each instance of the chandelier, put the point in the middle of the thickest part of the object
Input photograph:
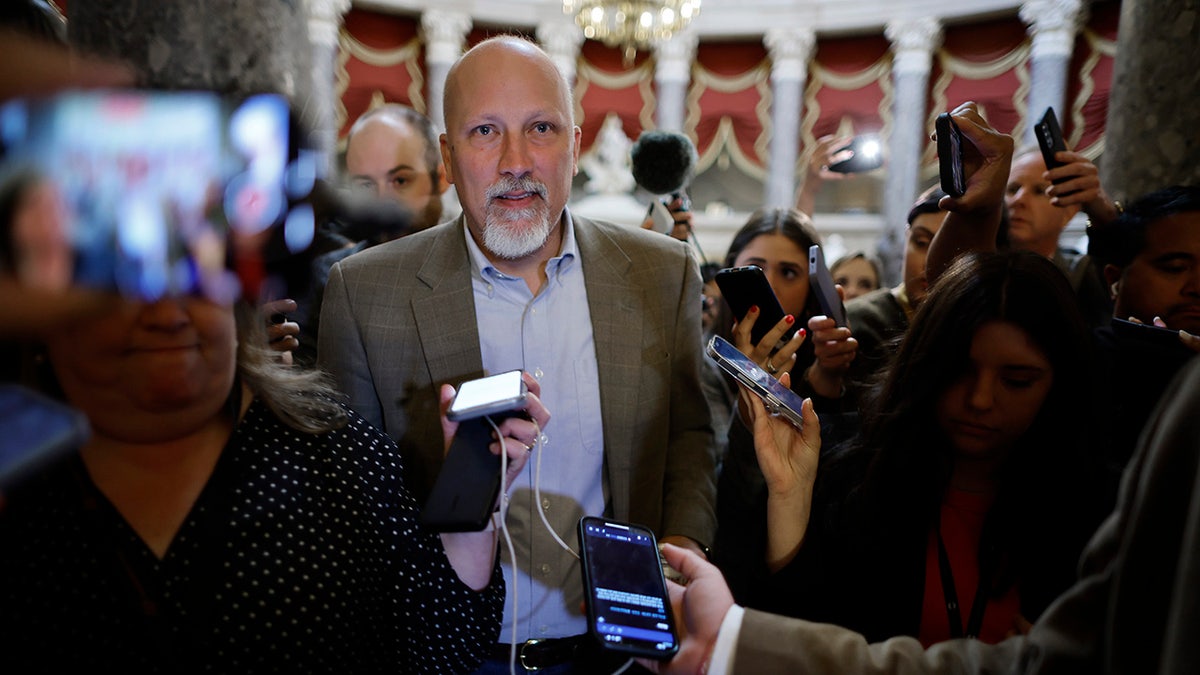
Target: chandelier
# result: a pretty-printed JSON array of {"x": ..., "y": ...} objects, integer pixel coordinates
[{"x": 631, "y": 24}]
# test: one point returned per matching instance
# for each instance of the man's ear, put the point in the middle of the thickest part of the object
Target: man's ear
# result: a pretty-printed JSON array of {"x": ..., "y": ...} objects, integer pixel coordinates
[
  {"x": 444, "y": 171},
  {"x": 1112, "y": 277},
  {"x": 440, "y": 184}
]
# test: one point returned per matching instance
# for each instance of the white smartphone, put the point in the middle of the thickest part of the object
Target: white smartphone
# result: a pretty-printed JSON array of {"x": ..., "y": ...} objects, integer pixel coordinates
[
  {"x": 488, "y": 396},
  {"x": 821, "y": 283},
  {"x": 778, "y": 399}
]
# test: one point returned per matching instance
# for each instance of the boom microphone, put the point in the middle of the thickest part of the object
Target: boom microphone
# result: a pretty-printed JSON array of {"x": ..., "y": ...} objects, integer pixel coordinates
[{"x": 663, "y": 162}]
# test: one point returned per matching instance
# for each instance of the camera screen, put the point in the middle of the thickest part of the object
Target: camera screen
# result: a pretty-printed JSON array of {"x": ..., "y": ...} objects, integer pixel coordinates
[
  {"x": 153, "y": 193},
  {"x": 627, "y": 595}
]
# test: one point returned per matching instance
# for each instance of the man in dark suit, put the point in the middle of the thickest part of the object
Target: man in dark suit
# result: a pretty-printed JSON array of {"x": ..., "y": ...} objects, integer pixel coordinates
[{"x": 606, "y": 317}]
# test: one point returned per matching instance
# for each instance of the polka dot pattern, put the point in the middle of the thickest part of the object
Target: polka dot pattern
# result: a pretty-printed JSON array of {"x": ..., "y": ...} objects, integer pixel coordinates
[{"x": 302, "y": 554}]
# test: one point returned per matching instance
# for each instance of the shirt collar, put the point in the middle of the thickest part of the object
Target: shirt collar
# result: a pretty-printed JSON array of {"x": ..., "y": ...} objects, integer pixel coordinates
[{"x": 483, "y": 268}]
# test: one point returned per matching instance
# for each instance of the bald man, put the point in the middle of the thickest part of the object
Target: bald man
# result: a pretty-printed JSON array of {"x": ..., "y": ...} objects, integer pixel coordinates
[
  {"x": 392, "y": 153},
  {"x": 1036, "y": 220},
  {"x": 606, "y": 317}
]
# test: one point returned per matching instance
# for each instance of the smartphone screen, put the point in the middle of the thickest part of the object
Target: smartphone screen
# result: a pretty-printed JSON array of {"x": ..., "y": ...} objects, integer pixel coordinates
[
  {"x": 778, "y": 399},
  {"x": 822, "y": 284},
  {"x": 488, "y": 395},
  {"x": 744, "y": 287},
  {"x": 627, "y": 603},
  {"x": 157, "y": 191},
  {"x": 950, "y": 156}
]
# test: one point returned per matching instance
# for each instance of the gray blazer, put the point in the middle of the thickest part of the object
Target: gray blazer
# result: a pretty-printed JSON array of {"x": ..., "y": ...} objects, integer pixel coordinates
[
  {"x": 399, "y": 320},
  {"x": 1134, "y": 611}
]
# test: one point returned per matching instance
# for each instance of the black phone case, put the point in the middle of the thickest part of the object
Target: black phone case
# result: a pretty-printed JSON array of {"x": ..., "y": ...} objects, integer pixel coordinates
[
  {"x": 744, "y": 287},
  {"x": 821, "y": 283},
  {"x": 463, "y": 497},
  {"x": 1050, "y": 138},
  {"x": 1165, "y": 338},
  {"x": 585, "y": 565},
  {"x": 950, "y": 159}
]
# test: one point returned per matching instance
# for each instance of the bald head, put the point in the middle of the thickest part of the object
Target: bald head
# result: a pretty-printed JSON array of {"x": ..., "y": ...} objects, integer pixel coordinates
[
  {"x": 511, "y": 147},
  {"x": 497, "y": 58}
]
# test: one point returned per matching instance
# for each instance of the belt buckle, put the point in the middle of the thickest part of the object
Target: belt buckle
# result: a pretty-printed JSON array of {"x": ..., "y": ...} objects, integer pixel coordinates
[{"x": 521, "y": 655}]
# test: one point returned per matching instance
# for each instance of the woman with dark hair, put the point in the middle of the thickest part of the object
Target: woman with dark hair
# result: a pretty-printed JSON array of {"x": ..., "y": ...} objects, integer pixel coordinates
[
  {"x": 963, "y": 505},
  {"x": 228, "y": 514},
  {"x": 777, "y": 240}
]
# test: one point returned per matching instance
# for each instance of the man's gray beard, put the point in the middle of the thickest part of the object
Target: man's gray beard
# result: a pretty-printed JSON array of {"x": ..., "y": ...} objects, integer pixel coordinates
[{"x": 508, "y": 238}]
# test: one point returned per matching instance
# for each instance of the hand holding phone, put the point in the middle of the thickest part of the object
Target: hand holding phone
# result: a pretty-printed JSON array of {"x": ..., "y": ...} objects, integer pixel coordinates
[
  {"x": 464, "y": 495},
  {"x": 628, "y": 607},
  {"x": 1050, "y": 139},
  {"x": 778, "y": 399},
  {"x": 745, "y": 287},
  {"x": 488, "y": 396},
  {"x": 866, "y": 153},
  {"x": 950, "y": 156},
  {"x": 821, "y": 283}
]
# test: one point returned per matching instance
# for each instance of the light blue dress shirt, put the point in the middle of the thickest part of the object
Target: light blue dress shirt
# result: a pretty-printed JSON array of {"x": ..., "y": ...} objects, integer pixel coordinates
[{"x": 549, "y": 336}]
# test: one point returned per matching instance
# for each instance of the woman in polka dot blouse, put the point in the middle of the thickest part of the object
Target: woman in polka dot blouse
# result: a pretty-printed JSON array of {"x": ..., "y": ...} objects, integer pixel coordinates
[{"x": 228, "y": 515}]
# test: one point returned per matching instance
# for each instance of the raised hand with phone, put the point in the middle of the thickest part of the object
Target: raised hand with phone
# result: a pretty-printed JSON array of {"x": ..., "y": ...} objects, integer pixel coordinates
[
  {"x": 1075, "y": 180},
  {"x": 974, "y": 217}
]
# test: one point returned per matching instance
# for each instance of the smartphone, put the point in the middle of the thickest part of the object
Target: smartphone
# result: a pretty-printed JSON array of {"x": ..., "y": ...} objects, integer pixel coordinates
[
  {"x": 159, "y": 192},
  {"x": 821, "y": 283},
  {"x": 488, "y": 396},
  {"x": 1050, "y": 138},
  {"x": 628, "y": 608},
  {"x": 867, "y": 154},
  {"x": 950, "y": 156},
  {"x": 464, "y": 494},
  {"x": 744, "y": 287},
  {"x": 1164, "y": 338},
  {"x": 38, "y": 431},
  {"x": 778, "y": 399}
]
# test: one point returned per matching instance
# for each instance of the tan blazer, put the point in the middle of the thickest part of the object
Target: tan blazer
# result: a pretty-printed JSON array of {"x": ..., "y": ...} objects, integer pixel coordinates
[{"x": 399, "y": 320}]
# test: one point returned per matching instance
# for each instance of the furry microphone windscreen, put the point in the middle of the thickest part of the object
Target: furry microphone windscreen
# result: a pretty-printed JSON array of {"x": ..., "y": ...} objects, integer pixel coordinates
[{"x": 663, "y": 161}]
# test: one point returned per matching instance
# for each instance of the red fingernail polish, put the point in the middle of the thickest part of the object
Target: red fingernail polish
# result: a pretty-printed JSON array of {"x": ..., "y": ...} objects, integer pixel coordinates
[
  {"x": 790, "y": 319},
  {"x": 802, "y": 332},
  {"x": 754, "y": 308}
]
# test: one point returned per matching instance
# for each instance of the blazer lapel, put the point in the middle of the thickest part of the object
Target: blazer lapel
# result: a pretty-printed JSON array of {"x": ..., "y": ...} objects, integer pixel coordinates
[
  {"x": 444, "y": 307},
  {"x": 617, "y": 332}
]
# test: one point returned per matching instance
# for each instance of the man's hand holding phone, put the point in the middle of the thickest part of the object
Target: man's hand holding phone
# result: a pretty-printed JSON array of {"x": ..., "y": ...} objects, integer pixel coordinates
[
  {"x": 519, "y": 433},
  {"x": 987, "y": 158},
  {"x": 699, "y": 609}
]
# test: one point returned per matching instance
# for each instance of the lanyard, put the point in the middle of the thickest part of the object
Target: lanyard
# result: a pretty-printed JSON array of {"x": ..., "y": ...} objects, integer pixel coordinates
[{"x": 953, "y": 616}]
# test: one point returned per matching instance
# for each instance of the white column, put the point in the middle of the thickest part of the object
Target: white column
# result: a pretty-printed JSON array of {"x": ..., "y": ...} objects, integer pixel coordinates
[
  {"x": 790, "y": 50},
  {"x": 324, "y": 20},
  {"x": 561, "y": 39},
  {"x": 913, "y": 43},
  {"x": 672, "y": 73},
  {"x": 1053, "y": 25},
  {"x": 444, "y": 33}
]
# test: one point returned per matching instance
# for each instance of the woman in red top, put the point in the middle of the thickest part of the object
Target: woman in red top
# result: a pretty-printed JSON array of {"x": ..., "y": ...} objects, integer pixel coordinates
[{"x": 963, "y": 505}]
